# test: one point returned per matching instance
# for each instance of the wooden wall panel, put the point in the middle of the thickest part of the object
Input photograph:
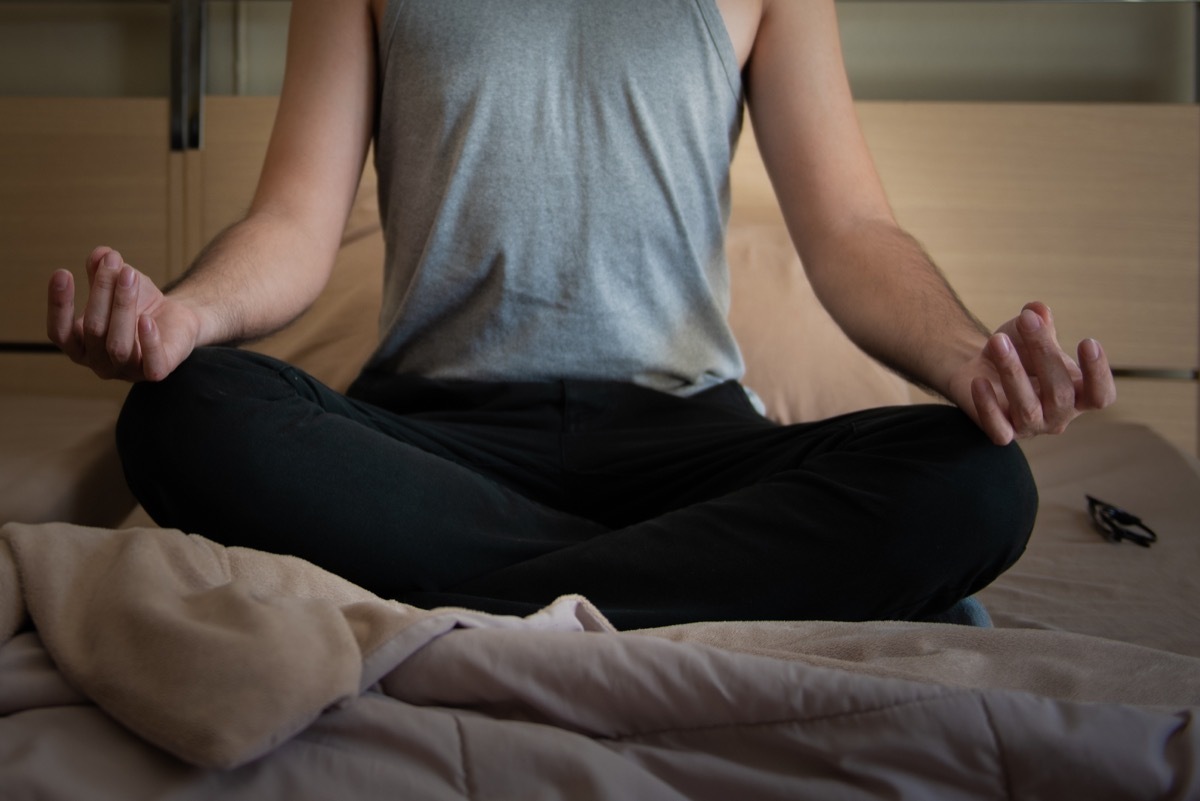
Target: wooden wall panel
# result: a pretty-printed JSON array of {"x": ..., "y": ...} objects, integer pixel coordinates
[
  {"x": 76, "y": 173},
  {"x": 1093, "y": 209}
]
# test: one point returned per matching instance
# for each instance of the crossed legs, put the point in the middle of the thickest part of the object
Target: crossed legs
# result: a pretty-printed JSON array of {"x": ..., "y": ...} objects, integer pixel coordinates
[{"x": 501, "y": 497}]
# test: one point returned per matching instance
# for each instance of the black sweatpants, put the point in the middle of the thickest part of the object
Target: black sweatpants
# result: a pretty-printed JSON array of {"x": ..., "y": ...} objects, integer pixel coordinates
[{"x": 501, "y": 497}]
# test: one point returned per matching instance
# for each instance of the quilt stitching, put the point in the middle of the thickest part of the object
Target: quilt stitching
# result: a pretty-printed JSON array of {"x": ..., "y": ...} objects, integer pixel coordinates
[
  {"x": 717, "y": 727},
  {"x": 468, "y": 785},
  {"x": 1001, "y": 756}
]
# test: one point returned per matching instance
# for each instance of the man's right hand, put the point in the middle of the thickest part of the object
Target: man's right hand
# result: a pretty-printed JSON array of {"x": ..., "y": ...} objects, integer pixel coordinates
[{"x": 128, "y": 329}]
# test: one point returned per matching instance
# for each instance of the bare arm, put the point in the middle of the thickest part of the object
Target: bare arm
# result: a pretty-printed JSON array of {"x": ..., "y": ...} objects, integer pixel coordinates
[
  {"x": 859, "y": 261},
  {"x": 874, "y": 279},
  {"x": 265, "y": 270}
]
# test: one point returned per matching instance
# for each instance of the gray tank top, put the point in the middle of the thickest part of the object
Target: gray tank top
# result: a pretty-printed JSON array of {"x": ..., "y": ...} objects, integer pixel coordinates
[{"x": 554, "y": 188}]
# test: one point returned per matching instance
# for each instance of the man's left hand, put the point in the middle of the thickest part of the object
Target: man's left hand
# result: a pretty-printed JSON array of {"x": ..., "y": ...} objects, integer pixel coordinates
[{"x": 1023, "y": 383}]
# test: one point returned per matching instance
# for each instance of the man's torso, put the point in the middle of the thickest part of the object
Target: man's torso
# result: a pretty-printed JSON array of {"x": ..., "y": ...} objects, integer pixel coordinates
[{"x": 554, "y": 187}]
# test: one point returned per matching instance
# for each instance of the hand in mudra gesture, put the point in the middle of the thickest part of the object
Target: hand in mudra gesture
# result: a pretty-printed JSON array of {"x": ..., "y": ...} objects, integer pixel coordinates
[
  {"x": 1023, "y": 383},
  {"x": 128, "y": 328}
]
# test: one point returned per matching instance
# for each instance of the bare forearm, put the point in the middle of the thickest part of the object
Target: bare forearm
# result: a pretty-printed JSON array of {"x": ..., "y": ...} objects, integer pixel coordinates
[
  {"x": 252, "y": 279},
  {"x": 874, "y": 279},
  {"x": 889, "y": 297}
]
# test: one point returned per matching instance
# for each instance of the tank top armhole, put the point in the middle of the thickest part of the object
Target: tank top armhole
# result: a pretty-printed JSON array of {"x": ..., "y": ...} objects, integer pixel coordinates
[
  {"x": 386, "y": 33},
  {"x": 721, "y": 40}
]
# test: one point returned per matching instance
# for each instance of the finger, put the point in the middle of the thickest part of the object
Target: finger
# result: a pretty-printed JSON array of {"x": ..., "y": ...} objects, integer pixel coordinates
[
  {"x": 99, "y": 304},
  {"x": 94, "y": 321},
  {"x": 990, "y": 412},
  {"x": 60, "y": 314},
  {"x": 122, "y": 323},
  {"x": 1049, "y": 330},
  {"x": 1024, "y": 410},
  {"x": 1045, "y": 320},
  {"x": 155, "y": 365},
  {"x": 1041, "y": 310},
  {"x": 1097, "y": 389},
  {"x": 94, "y": 259},
  {"x": 1046, "y": 360}
]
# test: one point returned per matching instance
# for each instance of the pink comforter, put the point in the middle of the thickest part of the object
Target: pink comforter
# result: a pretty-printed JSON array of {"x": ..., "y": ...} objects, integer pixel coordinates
[{"x": 149, "y": 664}]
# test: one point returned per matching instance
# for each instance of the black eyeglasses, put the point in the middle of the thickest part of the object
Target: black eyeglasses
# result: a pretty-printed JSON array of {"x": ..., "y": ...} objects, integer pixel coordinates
[{"x": 1116, "y": 524}]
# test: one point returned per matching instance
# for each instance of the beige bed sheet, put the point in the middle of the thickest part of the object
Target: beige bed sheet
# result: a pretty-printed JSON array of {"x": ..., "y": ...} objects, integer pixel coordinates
[
  {"x": 1072, "y": 579},
  {"x": 58, "y": 461}
]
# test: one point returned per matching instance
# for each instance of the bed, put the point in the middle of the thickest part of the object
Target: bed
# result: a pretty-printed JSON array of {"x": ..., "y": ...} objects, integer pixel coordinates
[{"x": 139, "y": 663}]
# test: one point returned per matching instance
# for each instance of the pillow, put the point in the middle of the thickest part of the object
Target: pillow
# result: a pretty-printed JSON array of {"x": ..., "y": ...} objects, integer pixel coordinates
[{"x": 798, "y": 361}]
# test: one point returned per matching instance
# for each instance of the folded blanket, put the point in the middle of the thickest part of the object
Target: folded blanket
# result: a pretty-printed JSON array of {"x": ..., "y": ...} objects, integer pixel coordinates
[
  {"x": 223, "y": 656},
  {"x": 177, "y": 637}
]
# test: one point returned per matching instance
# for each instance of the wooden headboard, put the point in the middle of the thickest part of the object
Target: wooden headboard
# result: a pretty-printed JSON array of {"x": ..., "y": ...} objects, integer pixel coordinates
[{"x": 1090, "y": 208}]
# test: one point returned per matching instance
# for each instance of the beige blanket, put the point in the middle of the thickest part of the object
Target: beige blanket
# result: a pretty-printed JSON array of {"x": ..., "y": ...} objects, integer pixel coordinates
[{"x": 146, "y": 663}]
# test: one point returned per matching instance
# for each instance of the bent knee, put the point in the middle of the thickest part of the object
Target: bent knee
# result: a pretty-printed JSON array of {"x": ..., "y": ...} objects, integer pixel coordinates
[
  {"x": 990, "y": 515},
  {"x": 204, "y": 397},
  {"x": 175, "y": 435},
  {"x": 1004, "y": 496},
  {"x": 969, "y": 509}
]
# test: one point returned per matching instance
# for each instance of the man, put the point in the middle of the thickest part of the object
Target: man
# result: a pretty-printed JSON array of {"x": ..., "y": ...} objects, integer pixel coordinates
[{"x": 554, "y": 404}]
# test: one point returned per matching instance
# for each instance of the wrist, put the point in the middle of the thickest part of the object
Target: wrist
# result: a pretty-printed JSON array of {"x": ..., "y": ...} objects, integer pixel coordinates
[
  {"x": 208, "y": 326},
  {"x": 954, "y": 368}
]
